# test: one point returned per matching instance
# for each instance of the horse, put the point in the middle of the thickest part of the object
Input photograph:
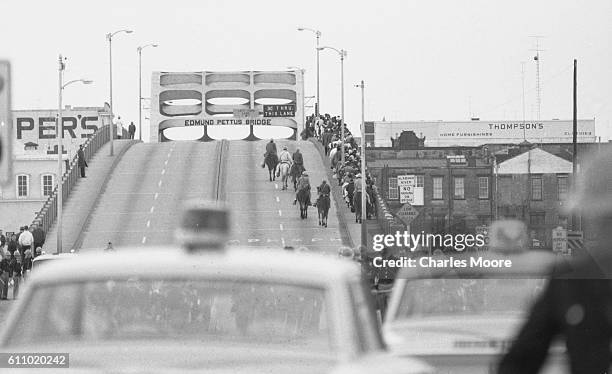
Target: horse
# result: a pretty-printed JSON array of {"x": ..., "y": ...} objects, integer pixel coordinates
[
  {"x": 271, "y": 161},
  {"x": 322, "y": 204},
  {"x": 296, "y": 171},
  {"x": 283, "y": 172},
  {"x": 303, "y": 197}
]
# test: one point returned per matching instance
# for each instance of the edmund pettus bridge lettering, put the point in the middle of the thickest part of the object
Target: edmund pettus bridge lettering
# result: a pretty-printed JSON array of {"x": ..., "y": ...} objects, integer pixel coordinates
[{"x": 216, "y": 122}]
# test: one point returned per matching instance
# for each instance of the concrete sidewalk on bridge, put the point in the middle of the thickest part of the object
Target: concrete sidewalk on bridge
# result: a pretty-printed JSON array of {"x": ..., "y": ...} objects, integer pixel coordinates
[
  {"x": 345, "y": 216},
  {"x": 84, "y": 195}
]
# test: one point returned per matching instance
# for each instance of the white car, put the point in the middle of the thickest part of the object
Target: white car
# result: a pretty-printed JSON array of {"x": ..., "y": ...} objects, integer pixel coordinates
[
  {"x": 462, "y": 320},
  {"x": 171, "y": 310}
]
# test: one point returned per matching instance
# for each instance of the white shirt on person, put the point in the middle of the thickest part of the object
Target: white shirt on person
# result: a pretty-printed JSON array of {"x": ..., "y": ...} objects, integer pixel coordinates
[
  {"x": 26, "y": 239},
  {"x": 119, "y": 125}
]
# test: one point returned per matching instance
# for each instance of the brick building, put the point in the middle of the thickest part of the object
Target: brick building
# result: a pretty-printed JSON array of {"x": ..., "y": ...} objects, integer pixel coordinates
[{"x": 533, "y": 187}]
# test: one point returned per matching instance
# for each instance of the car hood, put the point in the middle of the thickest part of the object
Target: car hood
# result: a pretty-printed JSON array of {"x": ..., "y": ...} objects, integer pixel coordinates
[
  {"x": 481, "y": 334},
  {"x": 194, "y": 357}
]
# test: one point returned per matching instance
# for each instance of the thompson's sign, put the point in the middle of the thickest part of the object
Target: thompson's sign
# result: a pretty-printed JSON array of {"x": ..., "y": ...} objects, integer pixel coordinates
[
  {"x": 473, "y": 133},
  {"x": 39, "y": 127}
]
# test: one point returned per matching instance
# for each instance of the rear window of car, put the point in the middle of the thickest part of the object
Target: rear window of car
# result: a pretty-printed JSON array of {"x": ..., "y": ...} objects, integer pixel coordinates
[{"x": 266, "y": 314}]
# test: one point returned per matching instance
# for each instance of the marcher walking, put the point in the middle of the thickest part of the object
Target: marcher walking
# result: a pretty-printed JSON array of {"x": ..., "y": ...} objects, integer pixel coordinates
[
  {"x": 5, "y": 270},
  {"x": 119, "y": 125},
  {"x": 38, "y": 234},
  {"x": 132, "y": 130},
  {"x": 26, "y": 239},
  {"x": 16, "y": 270},
  {"x": 82, "y": 163}
]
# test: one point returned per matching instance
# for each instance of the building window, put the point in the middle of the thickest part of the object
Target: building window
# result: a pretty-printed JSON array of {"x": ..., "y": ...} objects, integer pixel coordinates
[
  {"x": 536, "y": 188},
  {"x": 562, "y": 187},
  {"x": 420, "y": 181},
  {"x": 437, "y": 188},
  {"x": 47, "y": 184},
  {"x": 459, "y": 187},
  {"x": 537, "y": 219},
  {"x": 393, "y": 191},
  {"x": 483, "y": 187},
  {"x": 23, "y": 185}
]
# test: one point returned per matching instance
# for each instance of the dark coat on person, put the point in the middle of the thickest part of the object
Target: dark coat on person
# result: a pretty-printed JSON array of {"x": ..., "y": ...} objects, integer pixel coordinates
[
  {"x": 576, "y": 306},
  {"x": 5, "y": 265},
  {"x": 132, "y": 128},
  {"x": 15, "y": 267},
  {"x": 39, "y": 236},
  {"x": 81, "y": 158},
  {"x": 271, "y": 148},
  {"x": 298, "y": 158}
]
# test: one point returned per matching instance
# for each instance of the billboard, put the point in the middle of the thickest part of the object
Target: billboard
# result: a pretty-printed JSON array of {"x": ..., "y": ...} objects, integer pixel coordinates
[
  {"x": 475, "y": 133},
  {"x": 39, "y": 127}
]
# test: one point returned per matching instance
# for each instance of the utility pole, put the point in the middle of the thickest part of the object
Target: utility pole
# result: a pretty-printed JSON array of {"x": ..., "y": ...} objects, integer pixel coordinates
[
  {"x": 523, "y": 86},
  {"x": 60, "y": 135},
  {"x": 538, "y": 81},
  {"x": 575, "y": 139}
]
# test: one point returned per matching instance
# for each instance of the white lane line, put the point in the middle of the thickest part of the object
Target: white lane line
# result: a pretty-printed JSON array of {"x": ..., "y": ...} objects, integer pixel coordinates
[
  {"x": 283, "y": 241},
  {"x": 277, "y": 199},
  {"x": 281, "y": 227},
  {"x": 163, "y": 171},
  {"x": 152, "y": 209},
  {"x": 159, "y": 183},
  {"x": 156, "y": 196},
  {"x": 169, "y": 154},
  {"x": 166, "y": 163},
  {"x": 276, "y": 185},
  {"x": 149, "y": 223},
  {"x": 280, "y": 213},
  {"x": 144, "y": 239}
]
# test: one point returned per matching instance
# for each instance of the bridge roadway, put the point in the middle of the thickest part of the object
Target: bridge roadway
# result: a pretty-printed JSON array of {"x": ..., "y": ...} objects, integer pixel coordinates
[{"x": 141, "y": 202}]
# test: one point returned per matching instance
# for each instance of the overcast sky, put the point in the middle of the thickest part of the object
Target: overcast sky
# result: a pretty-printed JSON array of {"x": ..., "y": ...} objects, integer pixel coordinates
[{"x": 430, "y": 60}]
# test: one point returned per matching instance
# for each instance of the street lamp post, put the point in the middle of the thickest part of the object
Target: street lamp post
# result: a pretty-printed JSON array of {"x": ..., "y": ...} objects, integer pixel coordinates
[
  {"x": 109, "y": 37},
  {"x": 342, "y": 54},
  {"x": 363, "y": 168},
  {"x": 60, "y": 134},
  {"x": 140, "y": 87},
  {"x": 318, "y": 35}
]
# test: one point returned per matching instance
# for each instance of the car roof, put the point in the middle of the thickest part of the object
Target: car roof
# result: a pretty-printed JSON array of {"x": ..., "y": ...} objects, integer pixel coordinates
[
  {"x": 49, "y": 256},
  {"x": 174, "y": 261}
]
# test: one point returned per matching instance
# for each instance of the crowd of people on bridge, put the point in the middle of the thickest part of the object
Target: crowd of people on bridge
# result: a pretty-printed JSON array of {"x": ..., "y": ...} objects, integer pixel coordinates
[
  {"x": 17, "y": 251},
  {"x": 328, "y": 130}
]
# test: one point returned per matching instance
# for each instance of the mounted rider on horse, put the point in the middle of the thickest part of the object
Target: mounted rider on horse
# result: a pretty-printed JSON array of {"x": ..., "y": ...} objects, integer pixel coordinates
[
  {"x": 298, "y": 167},
  {"x": 303, "y": 186}
]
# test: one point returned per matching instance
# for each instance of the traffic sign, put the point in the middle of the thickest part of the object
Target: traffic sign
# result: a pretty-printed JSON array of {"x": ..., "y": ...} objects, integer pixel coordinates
[
  {"x": 407, "y": 213},
  {"x": 575, "y": 241},
  {"x": 406, "y": 184},
  {"x": 6, "y": 124},
  {"x": 246, "y": 113},
  {"x": 559, "y": 239}
]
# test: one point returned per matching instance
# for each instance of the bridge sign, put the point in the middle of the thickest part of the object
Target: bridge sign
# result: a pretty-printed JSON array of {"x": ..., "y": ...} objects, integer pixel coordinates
[
  {"x": 285, "y": 110},
  {"x": 246, "y": 113},
  {"x": 407, "y": 213}
]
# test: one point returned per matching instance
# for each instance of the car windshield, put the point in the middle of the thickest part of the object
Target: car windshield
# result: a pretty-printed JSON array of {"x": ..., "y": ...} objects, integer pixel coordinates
[
  {"x": 272, "y": 315},
  {"x": 443, "y": 297}
]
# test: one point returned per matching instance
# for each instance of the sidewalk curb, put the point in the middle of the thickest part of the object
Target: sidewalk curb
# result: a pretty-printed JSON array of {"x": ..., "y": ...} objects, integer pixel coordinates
[
  {"x": 345, "y": 234},
  {"x": 86, "y": 221}
]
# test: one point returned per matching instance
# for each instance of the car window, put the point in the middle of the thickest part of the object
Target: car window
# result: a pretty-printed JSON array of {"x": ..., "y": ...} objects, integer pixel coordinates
[
  {"x": 268, "y": 314},
  {"x": 431, "y": 297}
]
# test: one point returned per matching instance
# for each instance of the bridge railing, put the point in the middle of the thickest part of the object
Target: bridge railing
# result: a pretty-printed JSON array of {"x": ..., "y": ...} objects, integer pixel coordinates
[{"x": 48, "y": 213}]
